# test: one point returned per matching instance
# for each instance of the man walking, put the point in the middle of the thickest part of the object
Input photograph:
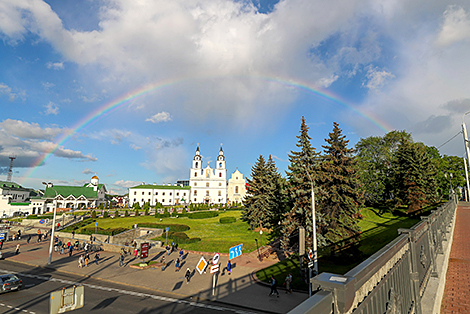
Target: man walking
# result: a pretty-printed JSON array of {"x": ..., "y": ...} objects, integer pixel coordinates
[
  {"x": 121, "y": 260},
  {"x": 273, "y": 287}
]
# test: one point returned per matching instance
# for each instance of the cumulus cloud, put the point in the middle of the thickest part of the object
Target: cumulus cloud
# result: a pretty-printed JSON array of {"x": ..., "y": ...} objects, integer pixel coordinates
[
  {"x": 28, "y": 130},
  {"x": 433, "y": 125},
  {"x": 455, "y": 26},
  {"x": 55, "y": 65},
  {"x": 115, "y": 136},
  {"x": 377, "y": 78},
  {"x": 87, "y": 171},
  {"x": 135, "y": 147},
  {"x": 51, "y": 108},
  {"x": 8, "y": 91},
  {"x": 126, "y": 183},
  {"x": 160, "y": 117}
]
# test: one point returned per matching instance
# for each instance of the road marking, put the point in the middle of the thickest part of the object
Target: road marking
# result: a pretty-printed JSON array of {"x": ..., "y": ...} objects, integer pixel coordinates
[{"x": 128, "y": 292}]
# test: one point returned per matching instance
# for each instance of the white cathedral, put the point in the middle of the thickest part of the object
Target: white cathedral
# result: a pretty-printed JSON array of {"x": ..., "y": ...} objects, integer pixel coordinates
[{"x": 208, "y": 185}]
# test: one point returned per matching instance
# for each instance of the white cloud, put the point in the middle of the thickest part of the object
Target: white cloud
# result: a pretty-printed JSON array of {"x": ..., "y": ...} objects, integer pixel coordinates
[
  {"x": 160, "y": 117},
  {"x": 51, "y": 108},
  {"x": 135, "y": 147},
  {"x": 55, "y": 65},
  {"x": 87, "y": 171},
  {"x": 48, "y": 85},
  {"x": 28, "y": 130},
  {"x": 455, "y": 27},
  {"x": 127, "y": 183},
  {"x": 376, "y": 78},
  {"x": 12, "y": 95}
]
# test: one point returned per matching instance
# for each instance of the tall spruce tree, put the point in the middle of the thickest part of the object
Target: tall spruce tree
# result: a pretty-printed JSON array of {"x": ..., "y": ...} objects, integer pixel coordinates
[
  {"x": 260, "y": 202},
  {"x": 279, "y": 195},
  {"x": 341, "y": 192},
  {"x": 415, "y": 177},
  {"x": 302, "y": 164}
]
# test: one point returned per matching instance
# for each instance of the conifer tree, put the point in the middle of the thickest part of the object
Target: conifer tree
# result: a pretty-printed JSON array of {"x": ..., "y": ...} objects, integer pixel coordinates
[
  {"x": 341, "y": 195},
  {"x": 299, "y": 189},
  {"x": 259, "y": 202}
]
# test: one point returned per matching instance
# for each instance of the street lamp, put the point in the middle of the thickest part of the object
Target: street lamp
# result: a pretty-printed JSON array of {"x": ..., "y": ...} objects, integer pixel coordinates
[
  {"x": 465, "y": 142},
  {"x": 450, "y": 181},
  {"x": 50, "y": 185},
  {"x": 314, "y": 231}
]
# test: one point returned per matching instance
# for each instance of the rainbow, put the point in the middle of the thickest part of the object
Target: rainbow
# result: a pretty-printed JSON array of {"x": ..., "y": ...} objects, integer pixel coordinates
[{"x": 125, "y": 99}]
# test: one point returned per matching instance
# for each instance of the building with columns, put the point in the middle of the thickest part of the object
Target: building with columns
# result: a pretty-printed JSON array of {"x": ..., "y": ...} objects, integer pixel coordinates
[{"x": 208, "y": 185}]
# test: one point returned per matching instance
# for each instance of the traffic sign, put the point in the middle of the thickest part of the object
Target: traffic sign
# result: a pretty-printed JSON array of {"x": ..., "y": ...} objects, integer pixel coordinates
[
  {"x": 41, "y": 221},
  {"x": 310, "y": 264},
  {"x": 235, "y": 251},
  {"x": 201, "y": 265},
  {"x": 167, "y": 229},
  {"x": 96, "y": 224},
  {"x": 215, "y": 259},
  {"x": 310, "y": 254},
  {"x": 2, "y": 236},
  {"x": 214, "y": 269}
]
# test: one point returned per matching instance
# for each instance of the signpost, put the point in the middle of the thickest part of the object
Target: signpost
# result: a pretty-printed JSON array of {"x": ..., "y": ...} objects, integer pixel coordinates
[
  {"x": 144, "y": 250},
  {"x": 215, "y": 259},
  {"x": 41, "y": 221},
  {"x": 96, "y": 226},
  {"x": 236, "y": 251},
  {"x": 201, "y": 265},
  {"x": 167, "y": 228}
]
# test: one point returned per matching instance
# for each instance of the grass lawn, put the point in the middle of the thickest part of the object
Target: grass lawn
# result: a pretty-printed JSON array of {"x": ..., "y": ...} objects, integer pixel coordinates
[
  {"x": 215, "y": 237},
  {"x": 378, "y": 229}
]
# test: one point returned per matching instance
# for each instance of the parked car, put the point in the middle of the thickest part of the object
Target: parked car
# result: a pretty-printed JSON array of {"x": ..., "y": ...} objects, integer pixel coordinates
[
  {"x": 1, "y": 255},
  {"x": 10, "y": 282}
]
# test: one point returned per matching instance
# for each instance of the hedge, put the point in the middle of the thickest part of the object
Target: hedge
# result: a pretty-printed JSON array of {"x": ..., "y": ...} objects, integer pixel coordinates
[
  {"x": 202, "y": 215},
  {"x": 227, "y": 220},
  {"x": 172, "y": 227},
  {"x": 182, "y": 238},
  {"x": 110, "y": 231}
]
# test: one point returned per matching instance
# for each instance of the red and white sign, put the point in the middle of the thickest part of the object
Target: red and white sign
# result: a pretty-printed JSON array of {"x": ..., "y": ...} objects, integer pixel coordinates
[
  {"x": 215, "y": 259},
  {"x": 310, "y": 254},
  {"x": 214, "y": 269},
  {"x": 144, "y": 250}
]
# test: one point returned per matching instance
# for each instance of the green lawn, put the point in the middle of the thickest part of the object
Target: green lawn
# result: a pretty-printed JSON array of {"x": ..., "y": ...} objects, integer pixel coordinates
[{"x": 215, "y": 237}]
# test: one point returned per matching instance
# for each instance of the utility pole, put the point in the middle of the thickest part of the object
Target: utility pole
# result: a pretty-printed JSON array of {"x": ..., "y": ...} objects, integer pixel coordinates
[{"x": 10, "y": 170}]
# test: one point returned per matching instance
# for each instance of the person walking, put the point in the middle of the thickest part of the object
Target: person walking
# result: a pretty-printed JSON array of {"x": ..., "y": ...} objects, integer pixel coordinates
[
  {"x": 17, "y": 249},
  {"x": 1, "y": 244},
  {"x": 229, "y": 267},
  {"x": 80, "y": 261},
  {"x": 97, "y": 257},
  {"x": 70, "y": 250},
  {"x": 288, "y": 283},
  {"x": 181, "y": 254},
  {"x": 187, "y": 275},
  {"x": 273, "y": 287},
  {"x": 87, "y": 257},
  {"x": 177, "y": 264},
  {"x": 121, "y": 259},
  {"x": 73, "y": 234},
  {"x": 136, "y": 252}
]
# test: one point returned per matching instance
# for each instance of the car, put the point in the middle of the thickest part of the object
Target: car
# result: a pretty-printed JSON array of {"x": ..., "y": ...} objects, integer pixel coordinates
[
  {"x": 1, "y": 255},
  {"x": 10, "y": 282}
]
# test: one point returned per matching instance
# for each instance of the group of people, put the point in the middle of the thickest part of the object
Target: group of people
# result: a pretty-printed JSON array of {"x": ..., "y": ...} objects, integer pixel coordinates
[
  {"x": 287, "y": 283},
  {"x": 84, "y": 259}
]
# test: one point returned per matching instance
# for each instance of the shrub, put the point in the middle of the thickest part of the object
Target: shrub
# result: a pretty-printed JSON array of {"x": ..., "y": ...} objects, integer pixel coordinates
[
  {"x": 126, "y": 213},
  {"x": 203, "y": 215},
  {"x": 182, "y": 238},
  {"x": 93, "y": 214},
  {"x": 172, "y": 227},
  {"x": 146, "y": 212},
  {"x": 136, "y": 213},
  {"x": 227, "y": 220},
  {"x": 105, "y": 214}
]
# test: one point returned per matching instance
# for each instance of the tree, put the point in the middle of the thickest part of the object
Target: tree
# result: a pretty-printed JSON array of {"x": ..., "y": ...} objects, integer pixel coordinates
[
  {"x": 302, "y": 164},
  {"x": 260, "y": 199},
  {"x": 415, "y": 177},
  {"x": 341, "y": 194},
  {"x": 375, "y": 161}
]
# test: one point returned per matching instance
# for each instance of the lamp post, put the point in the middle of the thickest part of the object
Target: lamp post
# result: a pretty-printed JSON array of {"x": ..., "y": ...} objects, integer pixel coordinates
[
  {"x": 314, "y": 231},
  {"x": 465, "y": 142},
  {"x": 53, "y": 222},
  {"x": 450, "y": 181}
]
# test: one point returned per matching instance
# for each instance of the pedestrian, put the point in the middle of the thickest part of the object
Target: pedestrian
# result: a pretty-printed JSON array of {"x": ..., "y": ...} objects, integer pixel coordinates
[
  {"x": 29, "y": 239},
  {"x": 136, "y": 251},
  {"x": 87, "y": 257},
  {"x": 177, "y": 265},
  {"x": 86, "y": 247},
  {"x": 1, "y": 244},
  {"x": 39, "y": 235},
  {"x": 17, "y": 249},
  {"x": 229, "y": 267},
  {"x": 19, "y": 234},
  {"x": 70, "y": 250},
  {"x": 121, "y": 259},
  {"x": 59, "y": 246},
  {"x": 172, "y": 246},
  {"x": 91, "y": 238},
  {"x": 97, "y": 258},
  {"x": 80, "y": 261},
  {"x": 176, "y": 246},
  {"x": 167, "y": 249},
  {"x": 13, "y": 237},
  {"x": 187, "y": 275},
  {"x": 181, "y": 254},
  {"x": 63, "y": 249},
  {"x": 288, "y": 283},
  {"x": 73, "y": 234},
  {"x": 273, "y": 287}
]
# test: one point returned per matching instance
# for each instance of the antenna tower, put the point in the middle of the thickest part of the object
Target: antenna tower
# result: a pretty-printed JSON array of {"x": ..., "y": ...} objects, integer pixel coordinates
[{"x": 10, "y": 170}]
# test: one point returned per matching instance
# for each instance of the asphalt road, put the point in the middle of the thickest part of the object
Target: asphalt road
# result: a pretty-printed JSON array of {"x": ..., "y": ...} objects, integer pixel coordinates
[{"x": 100, "y": 296}]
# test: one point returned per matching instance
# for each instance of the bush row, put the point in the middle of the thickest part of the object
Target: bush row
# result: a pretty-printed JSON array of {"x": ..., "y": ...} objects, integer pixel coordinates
[
  {"x": 227, "y": 220},
  {"x": 172, "y": 227},
  {"x": 202, "y": 215}
]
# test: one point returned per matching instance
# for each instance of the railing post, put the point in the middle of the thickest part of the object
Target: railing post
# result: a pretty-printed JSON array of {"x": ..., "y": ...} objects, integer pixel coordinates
[
  {"x": 433, "y": 254},
  {"x": 342, "y": 288},
  {"x": 414, "y": 276}
]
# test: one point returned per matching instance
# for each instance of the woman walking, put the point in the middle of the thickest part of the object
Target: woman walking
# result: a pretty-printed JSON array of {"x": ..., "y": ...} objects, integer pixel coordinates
[{"x": 17, "y": 249}]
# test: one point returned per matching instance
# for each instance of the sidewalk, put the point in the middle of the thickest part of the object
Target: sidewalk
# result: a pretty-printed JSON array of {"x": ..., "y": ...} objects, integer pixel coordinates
[
  {"x": 457, "y": 291},
  {"x": 240, "y": 288}
]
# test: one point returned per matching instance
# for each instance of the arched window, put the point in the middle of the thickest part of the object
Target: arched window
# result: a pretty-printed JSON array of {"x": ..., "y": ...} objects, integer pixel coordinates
[
  {"x": 207, "y": 193},
  {"x": 207, "y": 184},
  {"x": 220, "y": 174},
  {"x": 195, "y": 192},
  {"x": 236, "y": 189},
  {"x": 220, "y": 165},
  {"x": 195, "y": 174},
  {"x": 196, "y": 164}
]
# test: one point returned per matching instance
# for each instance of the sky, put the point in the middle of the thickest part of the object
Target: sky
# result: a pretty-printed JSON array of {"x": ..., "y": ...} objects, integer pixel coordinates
[{"x": 128, "y": 89}]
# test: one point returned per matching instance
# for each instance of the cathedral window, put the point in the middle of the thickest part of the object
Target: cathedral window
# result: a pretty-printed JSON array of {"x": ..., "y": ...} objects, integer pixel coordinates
[
  {"x": 236, "y": 189},
  {"x": 220, "y": 183},
  {"x": 195, "y": 183},
  {"x": 142, "y": 193},
  {"x": 207, "y": 184},
  {"x": 196, "y": 164},
  {"x": 220, "y": 165},
  {"x": 195, "y": 199},
  {"x": 156, "y": 193},
  {"x": 195, "y": 192},
  {"x": 150, "y": 193},
  {"x": 220, "y": 174},
  {"x": 220, "y": 193},
  {"x": 195, "y": 174},
  {"x": 170, "y": 193},
  {"x": 135, "y": 192},
  {"x": 163, "y": 193}
]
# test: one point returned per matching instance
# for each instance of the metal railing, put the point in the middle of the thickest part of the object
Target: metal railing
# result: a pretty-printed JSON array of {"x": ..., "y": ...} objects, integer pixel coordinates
[{"x": 393, "y": 279}]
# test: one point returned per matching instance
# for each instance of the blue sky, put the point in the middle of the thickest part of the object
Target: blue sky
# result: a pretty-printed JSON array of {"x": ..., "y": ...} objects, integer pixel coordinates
[{"x": 241, "y": 73}]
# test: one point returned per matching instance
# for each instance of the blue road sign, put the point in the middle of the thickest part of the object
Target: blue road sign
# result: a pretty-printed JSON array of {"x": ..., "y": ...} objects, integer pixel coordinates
[
  {"x": 2, "y": 236},
  {"x": 167, "y": 229},
  {"x": 41, "y": 221},
  {"x": 235, "y": 251},
  {"x": 96, "y": 224}
]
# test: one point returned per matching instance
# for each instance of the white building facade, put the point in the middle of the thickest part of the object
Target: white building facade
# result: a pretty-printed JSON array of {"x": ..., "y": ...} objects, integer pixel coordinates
[
  {"x": 208, "y": 186},
  {"x": 167, "y": 195},
  {"x": 236, "y": 189}
]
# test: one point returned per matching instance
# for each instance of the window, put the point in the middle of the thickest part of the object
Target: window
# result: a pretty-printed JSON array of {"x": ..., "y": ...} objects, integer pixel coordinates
[
  {"x": 220, "y": 193},
  {"x": 184, "y": 194},
  {"x": 135, "y": 192},
  {"x": 195, "y": 183},
  {"x": 220, "y": 165},
  {"x": 220, "y": 174},
  {"x": 207, "y": 193},
  {"x": 207, "y": 184},
  {"x": 220, "y": 183},
  {"x": 170, "y": 193},
  {"x": 195, "y": 174},
  {"x": 177, "y": 194},
  {"x": 196, "y": 164},
  {"x": 142, "y": 193},
  {"x": 150, "y": 193},
  {"x": 236, "y": 178},
  {"x": 195, "y": 199},
  {"x": 163, "y": 201},
  {"x": 195, "y": 193},
  {"x": 156, "y": 193}
]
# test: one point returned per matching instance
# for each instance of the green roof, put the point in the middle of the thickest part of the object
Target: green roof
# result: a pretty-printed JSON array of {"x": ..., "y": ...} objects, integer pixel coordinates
[
  {"x": 76, "y": 191},
  {"x": 19, "y": 204},
  {"x": 12, "y": 185},
  {"x": 161, "y": 187}
]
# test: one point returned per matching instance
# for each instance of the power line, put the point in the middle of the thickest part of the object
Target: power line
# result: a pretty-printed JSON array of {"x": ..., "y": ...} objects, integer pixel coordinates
[{"x": 460, "y": 132}]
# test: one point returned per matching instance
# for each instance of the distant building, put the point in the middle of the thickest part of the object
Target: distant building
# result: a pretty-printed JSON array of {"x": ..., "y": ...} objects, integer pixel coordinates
[
  {"x": 236, "y": 189},
  {"x": 14, "y": 199},
  {"x": 164, "y": 194},
  {"x": 208, "y": 185},
  {"x": 183, "y": 182},
  {"x": 90, "y": 195}
]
